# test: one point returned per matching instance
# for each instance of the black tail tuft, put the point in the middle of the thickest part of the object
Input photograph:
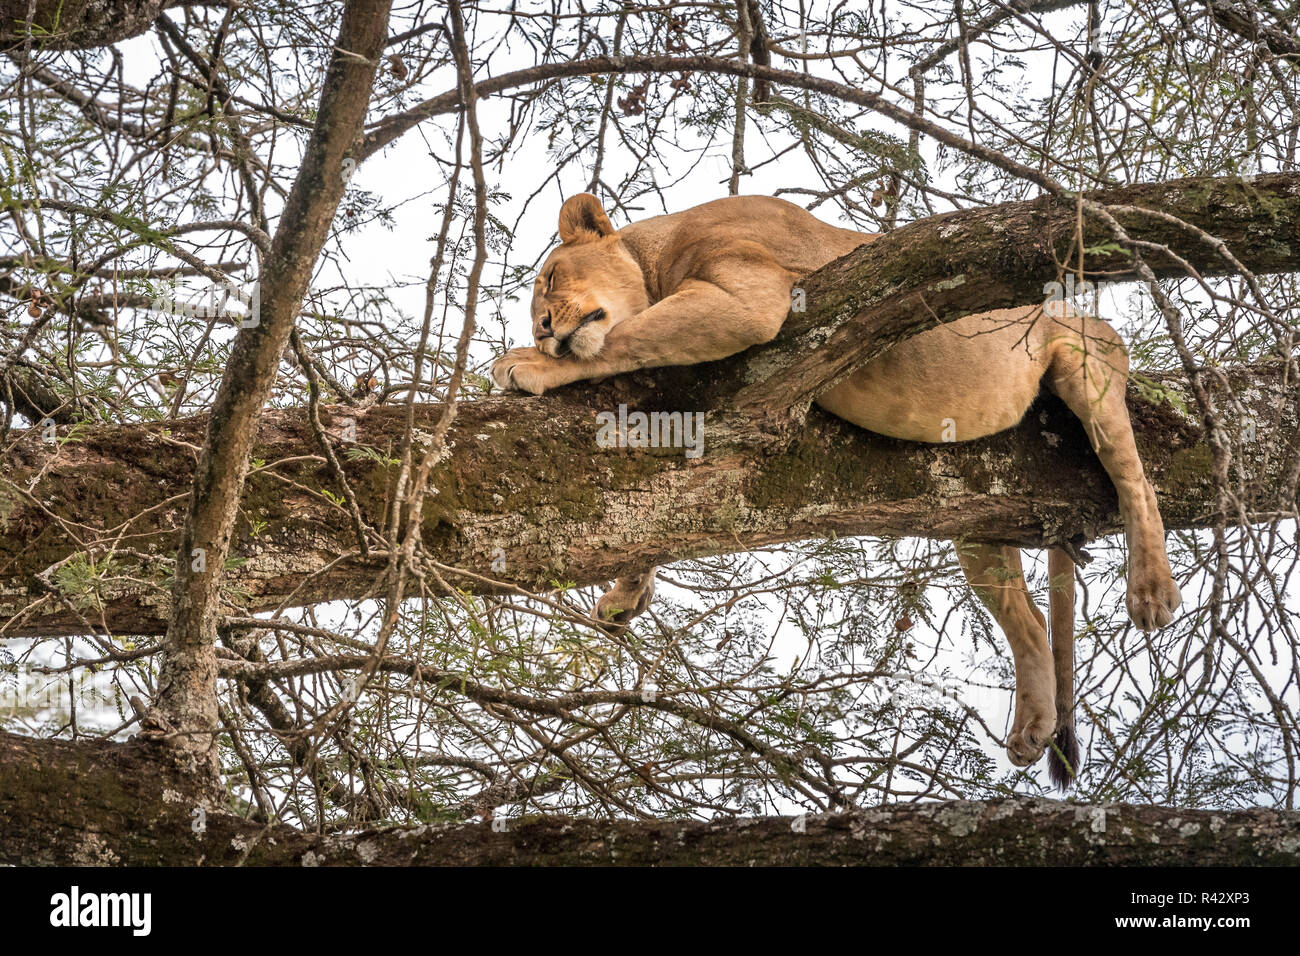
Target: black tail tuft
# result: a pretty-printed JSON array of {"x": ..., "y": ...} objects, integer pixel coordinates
[{"x": 1063, "y": 757}]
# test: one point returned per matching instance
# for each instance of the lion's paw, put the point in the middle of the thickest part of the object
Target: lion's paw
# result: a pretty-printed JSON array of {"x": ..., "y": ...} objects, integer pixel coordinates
[
  {"x": 629, "y": 597},
  {"x": 1028, "y": 741},
  {"x": 1153, "y": 596},
  {"x": 525, "y": 369}
]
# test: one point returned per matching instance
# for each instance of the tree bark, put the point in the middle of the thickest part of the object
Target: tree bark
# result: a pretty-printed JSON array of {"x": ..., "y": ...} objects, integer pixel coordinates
[
  {"x": 1253, "y": 27},
  {"x": 78, "y": 24},
  {"x": 527, "y": 477},
  {"x": 79, "y": 803}
]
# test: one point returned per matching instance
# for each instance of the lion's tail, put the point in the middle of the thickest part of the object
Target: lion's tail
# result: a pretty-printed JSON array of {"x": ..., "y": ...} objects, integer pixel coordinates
[{"x": 1063, "y": 760}]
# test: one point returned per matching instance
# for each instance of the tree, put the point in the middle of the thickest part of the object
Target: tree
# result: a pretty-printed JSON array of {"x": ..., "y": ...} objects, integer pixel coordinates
[
  {"x": 326, "y": 579},
  {"x": 78, "y": 25}
]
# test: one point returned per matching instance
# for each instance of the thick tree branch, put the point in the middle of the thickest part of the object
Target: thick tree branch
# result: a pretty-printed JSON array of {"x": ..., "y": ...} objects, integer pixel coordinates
[
  {"x": 64, "y": 802},
  {"x": 79, "y": 24},
  {"x": 1245, "y": 21},
  {"x": 526, "y": 476}
]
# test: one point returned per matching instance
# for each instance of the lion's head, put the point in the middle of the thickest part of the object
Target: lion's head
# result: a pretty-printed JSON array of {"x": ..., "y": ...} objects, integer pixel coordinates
[{"x": 588, "y": 284}]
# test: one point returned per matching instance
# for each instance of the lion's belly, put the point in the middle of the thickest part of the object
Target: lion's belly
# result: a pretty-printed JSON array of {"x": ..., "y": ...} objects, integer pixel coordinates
[{"x": 967, "y": 379}]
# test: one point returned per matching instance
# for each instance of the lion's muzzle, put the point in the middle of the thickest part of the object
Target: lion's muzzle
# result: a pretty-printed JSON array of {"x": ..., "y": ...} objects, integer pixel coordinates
[{"x": 579, "y": 341}]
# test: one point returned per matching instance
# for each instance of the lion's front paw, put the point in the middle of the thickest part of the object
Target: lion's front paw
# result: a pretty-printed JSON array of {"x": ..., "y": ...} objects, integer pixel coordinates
[
  {"x": 527, "y": 370},
  {"x": 629, "y": 597}
]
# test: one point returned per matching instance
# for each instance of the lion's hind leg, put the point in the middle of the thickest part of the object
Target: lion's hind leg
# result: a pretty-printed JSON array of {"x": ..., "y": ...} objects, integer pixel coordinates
[
  {"x": 995, "y": 573},
  {"x": 1089, "y": 370}
]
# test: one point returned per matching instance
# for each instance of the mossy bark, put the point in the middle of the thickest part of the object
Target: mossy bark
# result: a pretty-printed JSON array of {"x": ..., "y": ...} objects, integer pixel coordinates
[
  {"x": 78, "y": 24},
  {"x": 526, "y": 477}
]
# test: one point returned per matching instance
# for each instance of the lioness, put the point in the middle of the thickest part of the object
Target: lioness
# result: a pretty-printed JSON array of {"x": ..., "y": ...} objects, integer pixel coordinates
[{"x": 706, "y": 283}]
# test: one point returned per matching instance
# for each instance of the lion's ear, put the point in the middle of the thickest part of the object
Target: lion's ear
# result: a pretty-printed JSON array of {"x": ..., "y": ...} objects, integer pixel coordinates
[{"x": 582, "y": 219}]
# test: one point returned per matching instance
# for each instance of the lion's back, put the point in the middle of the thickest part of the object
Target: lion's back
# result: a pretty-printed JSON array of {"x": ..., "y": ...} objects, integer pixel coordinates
[{"x": 796, "y": 239}]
